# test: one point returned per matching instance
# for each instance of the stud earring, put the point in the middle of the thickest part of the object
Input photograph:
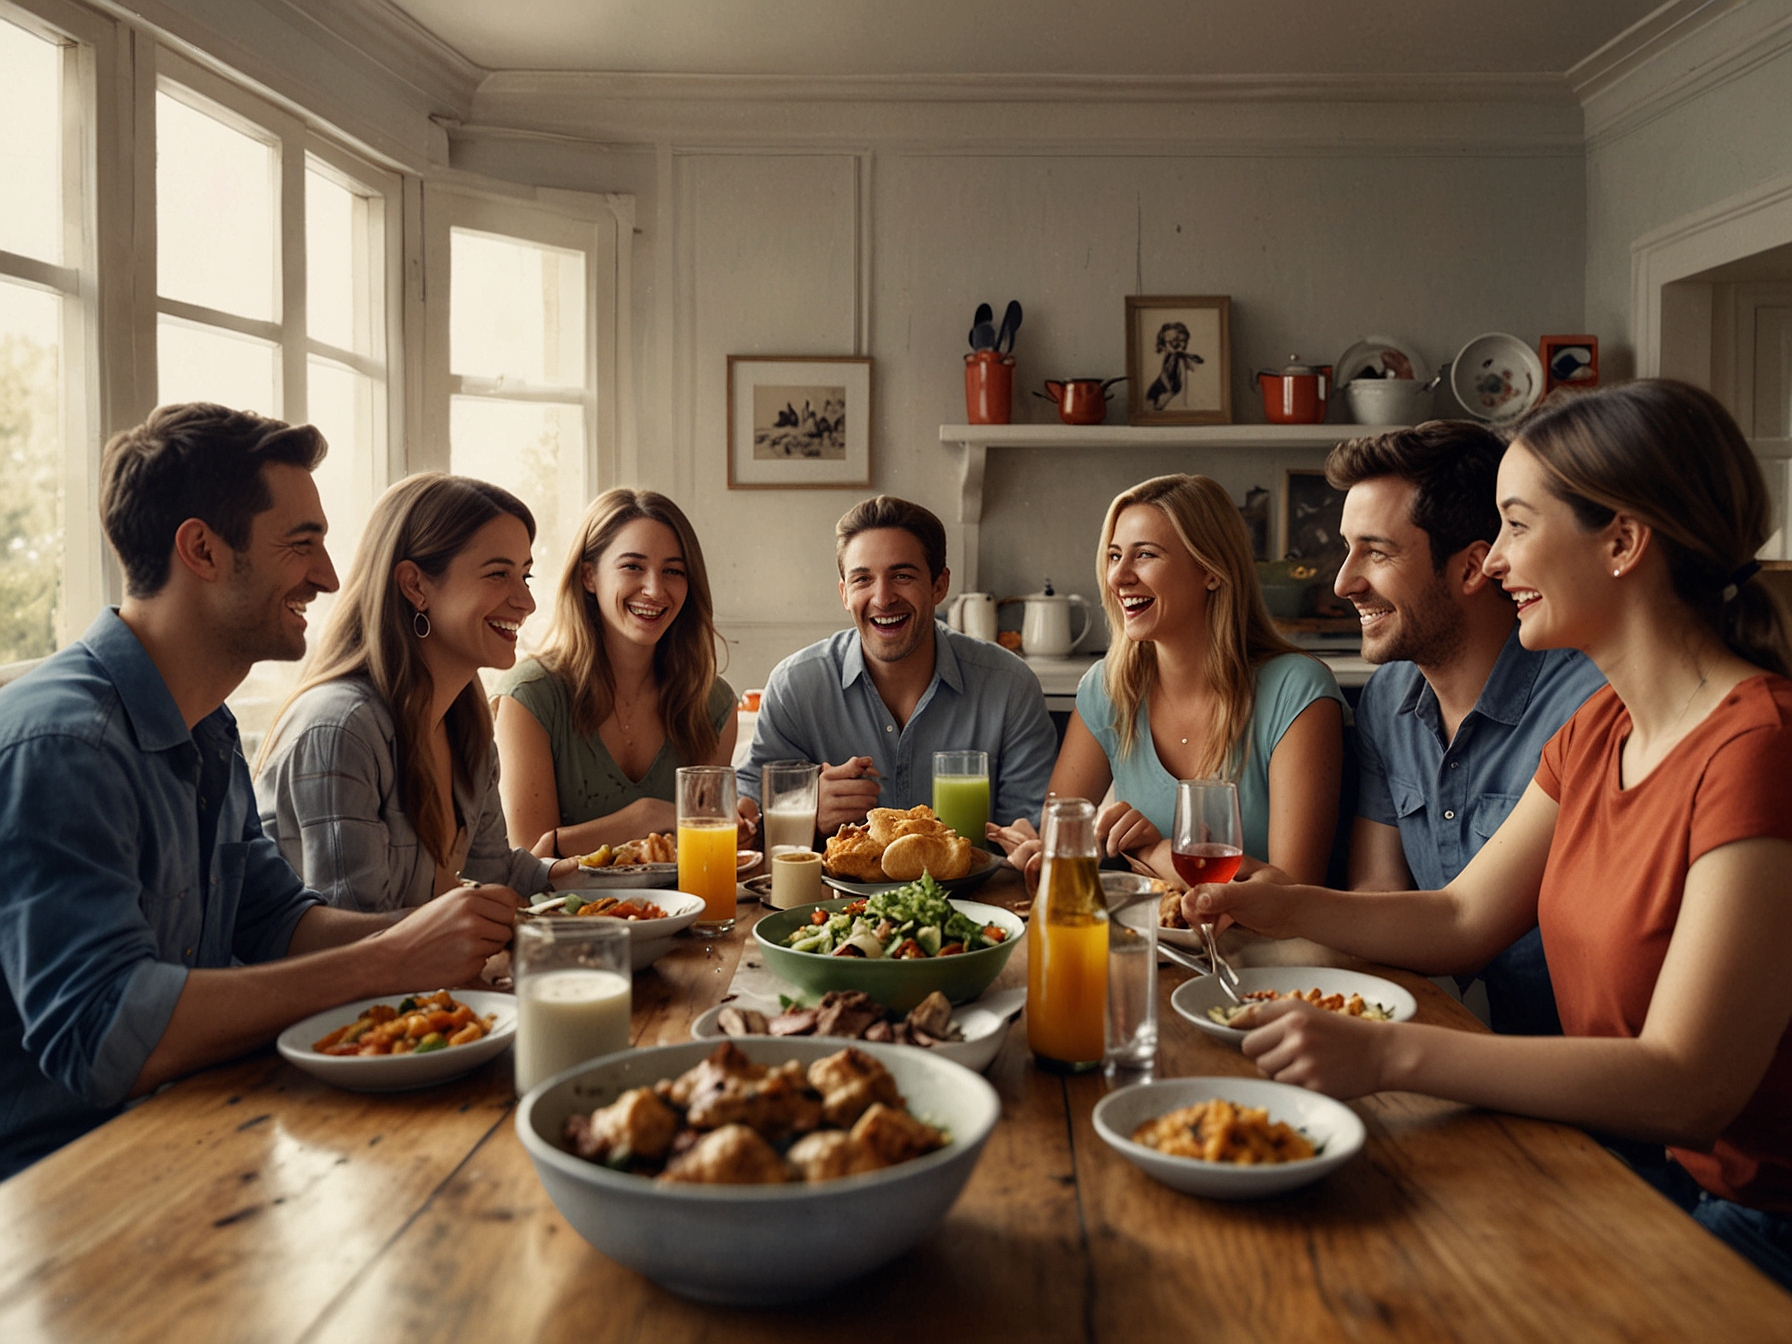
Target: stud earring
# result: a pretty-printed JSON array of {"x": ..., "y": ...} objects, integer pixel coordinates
[
  {"x": 1617, "y": 573},
  {"x": 420, "y": 623}
]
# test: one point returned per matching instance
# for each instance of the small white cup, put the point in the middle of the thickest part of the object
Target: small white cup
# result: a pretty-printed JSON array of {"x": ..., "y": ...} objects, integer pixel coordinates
[{"x": 796, "y": 878}]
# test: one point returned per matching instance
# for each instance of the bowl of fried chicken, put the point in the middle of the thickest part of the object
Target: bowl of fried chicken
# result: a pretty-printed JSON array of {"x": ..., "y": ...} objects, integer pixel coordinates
[{"x": 757, "y": 1171}]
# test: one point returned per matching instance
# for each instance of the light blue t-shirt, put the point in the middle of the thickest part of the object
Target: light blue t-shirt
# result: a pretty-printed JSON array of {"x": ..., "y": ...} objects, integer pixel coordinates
[{"x": 1286, "y": 685}]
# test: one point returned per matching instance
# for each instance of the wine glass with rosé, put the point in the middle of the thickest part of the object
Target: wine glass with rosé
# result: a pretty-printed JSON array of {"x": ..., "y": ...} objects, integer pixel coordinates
[{"x": 1209, "y": 841}]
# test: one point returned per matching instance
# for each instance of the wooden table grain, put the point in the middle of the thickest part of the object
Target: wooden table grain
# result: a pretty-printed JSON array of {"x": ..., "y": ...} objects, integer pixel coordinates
[{"x": 254, "y": 1203}]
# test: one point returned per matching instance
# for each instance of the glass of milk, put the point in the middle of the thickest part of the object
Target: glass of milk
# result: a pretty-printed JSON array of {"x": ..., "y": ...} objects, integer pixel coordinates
[
  {"x": 573, "y": 996},
  {"x": 792, "y": 793}
]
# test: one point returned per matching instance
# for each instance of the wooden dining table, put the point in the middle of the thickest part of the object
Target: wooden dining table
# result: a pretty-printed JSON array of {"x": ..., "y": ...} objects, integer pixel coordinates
[{"x": 251, "y": 1202}]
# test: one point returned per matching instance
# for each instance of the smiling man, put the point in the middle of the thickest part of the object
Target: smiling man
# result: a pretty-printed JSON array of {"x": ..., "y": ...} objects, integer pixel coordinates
[
  {"x": 872, "y": 704},
  {"x": 1450, "y": 728},
  {"x": 147, "y": 926}
]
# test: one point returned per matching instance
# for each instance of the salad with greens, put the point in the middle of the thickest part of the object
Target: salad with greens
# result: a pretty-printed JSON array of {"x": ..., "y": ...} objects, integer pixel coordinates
[{"x": 912, "y": 921}]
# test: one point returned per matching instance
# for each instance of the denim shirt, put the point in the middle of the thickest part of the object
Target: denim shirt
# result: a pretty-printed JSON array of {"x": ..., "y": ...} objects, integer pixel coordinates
[
  {"x": 133, "y": 854},
  {"x": 820, "y": 704}
]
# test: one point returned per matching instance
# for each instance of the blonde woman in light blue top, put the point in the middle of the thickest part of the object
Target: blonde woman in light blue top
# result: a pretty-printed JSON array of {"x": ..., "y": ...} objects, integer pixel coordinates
[{"x": 1197, "y": 684}]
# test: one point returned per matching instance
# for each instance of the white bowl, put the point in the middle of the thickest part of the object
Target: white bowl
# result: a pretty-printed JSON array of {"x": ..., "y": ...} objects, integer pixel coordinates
[
  {"x": 648, "y": 939},
  {"x": 1332, "y": 1126},
  {"x": 757, "y": 1244},
  {"x": 1384, "y": 401},
  {"x": 983, "y": 1021},
  {"x": 397, "y": 1073},
  {"x": 1388, "y": 358},
  {"x": 1194, "y": 997},
  {"x": 1497, "y": 377}
]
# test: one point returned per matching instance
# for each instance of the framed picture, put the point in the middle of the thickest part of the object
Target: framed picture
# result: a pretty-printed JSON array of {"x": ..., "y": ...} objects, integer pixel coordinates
[
  {"x": 1312, "y": 517},
  {"x": 1569, "y": 361},
  {"x": 1179, "y": 360},
  {"x": 799, "y": 422}
]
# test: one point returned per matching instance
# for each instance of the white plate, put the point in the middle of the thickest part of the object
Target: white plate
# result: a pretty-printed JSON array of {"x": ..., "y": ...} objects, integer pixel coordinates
[
  {"x": 1332, "y": 1126},
  {"x": 649, "y": 939},
  {"x": 655, "y": 875},
  {"x": 1384, "y": 354},
  {"x": 983, "y": 1021},
  {"x": 1194, "y": 997},
  {"x": 1497, "y": 377},
  {"x": 397, "y": 1073},
  {"x": 975, "y": 878}
]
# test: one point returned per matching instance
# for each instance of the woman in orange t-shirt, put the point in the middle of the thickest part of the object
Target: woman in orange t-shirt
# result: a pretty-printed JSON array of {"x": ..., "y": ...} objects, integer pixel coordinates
[{"x": 1652, "y": 848}]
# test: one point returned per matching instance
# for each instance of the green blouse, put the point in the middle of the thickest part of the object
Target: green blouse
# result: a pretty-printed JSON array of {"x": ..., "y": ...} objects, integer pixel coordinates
[{"x": 586, "y": 777}]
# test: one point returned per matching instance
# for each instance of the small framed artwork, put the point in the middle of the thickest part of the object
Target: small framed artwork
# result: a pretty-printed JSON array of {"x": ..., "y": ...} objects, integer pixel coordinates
[
  {"x": 1312, "y": 519},
  {"x": 799, "y": 422},
  {"x": 1179, "y": 360},
  {"x": 1569, "y": 361}
]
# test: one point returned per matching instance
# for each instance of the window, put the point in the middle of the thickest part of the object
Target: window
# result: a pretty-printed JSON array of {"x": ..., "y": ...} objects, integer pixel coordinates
[
  {"x": 48, "y": 575},
  {"x": 273, "y": 276}
]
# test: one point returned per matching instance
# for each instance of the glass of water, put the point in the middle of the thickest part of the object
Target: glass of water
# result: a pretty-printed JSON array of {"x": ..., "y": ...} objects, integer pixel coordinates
[{"x": 1132, "y": 902}]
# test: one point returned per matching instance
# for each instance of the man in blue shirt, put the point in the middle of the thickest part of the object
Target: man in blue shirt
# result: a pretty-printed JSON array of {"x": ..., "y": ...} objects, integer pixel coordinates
[
  {"x": 137, "y": 876},
  {"x": 873, "y": 704},
  {"x": 1450, "y": 728}
]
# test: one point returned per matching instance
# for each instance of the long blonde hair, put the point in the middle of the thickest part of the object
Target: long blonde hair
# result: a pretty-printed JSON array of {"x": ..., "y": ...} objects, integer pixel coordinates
[
  {"x": 684, "y": 660},
  {"x": 427, "y": 519},
  {"x": 1240, "y": 635}
]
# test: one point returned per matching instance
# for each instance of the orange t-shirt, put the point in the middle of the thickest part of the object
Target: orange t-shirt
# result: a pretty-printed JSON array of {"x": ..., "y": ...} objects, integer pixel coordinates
[{"x": 1617, "y": 869}]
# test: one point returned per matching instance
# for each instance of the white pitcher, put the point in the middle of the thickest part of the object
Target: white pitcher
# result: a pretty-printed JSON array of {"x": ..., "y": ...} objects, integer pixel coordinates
[
  {"x": 975, "y": 614},
  {"x": 1045, "y": 624}
]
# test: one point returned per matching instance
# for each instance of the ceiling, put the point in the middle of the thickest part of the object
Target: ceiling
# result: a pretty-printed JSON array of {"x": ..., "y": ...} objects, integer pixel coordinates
[{"x": 1155, "y": 38}]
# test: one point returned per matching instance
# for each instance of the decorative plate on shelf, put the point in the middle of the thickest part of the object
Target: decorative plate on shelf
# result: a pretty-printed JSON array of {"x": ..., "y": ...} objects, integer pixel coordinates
[{"x": 1497, "y": 377}]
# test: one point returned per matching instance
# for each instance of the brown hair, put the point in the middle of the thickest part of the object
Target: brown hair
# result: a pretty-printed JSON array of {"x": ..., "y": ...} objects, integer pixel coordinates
[
  {"x": 684, "y": 660},
  {"x": 191, "y": 460},
  {"x": 1670, "y": 455},
  {"x": 1453, "y": 467},
  {"x": 888, "y": 511},
  {"x": 427, "y": 519},
  {"x": 1240, "y": 635}
]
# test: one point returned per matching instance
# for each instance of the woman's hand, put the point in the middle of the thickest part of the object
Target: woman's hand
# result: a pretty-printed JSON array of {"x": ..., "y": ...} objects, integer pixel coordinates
[
  {"x": 1263, "y": 902},
  {"x": 1296, "y": 1043},
  {"x": 1120, "y": 828},
  {"x": 649, "y": 816}
]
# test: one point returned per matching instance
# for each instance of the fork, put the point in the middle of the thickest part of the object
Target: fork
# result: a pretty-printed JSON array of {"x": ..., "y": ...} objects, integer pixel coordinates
[{"x": 1222, "y": 972}]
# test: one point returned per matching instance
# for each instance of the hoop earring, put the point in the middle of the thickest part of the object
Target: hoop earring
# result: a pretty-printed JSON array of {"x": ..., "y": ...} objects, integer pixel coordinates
[{"x": 420, "y": 623}]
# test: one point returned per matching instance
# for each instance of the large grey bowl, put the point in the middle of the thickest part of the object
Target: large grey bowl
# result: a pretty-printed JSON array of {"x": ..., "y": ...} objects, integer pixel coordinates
[{"x": 756, "y": 1244}]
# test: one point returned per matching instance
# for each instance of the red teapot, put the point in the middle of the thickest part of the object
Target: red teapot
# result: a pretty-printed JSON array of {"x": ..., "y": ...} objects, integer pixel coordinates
[{"x": 1080, "y": 401}]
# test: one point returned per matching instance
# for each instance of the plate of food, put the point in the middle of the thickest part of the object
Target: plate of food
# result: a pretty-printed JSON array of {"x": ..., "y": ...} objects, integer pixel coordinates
[
  {"x": 1229, "y": 1138},
  {"x": 898, "y": 946},
  {"x": 651, "y": 861},
  {"x": 893, "y": 846},
  {"x": 971, "y": 1034},
  {"x": 1352, "y": 993},
  {"x": 654, "y": 916},
  {"x": 400, "y": 1041}
]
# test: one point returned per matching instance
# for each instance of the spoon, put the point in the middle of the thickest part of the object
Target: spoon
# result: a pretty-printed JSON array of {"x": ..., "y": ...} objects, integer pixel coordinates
[
  {"x": 983, "y": 337},
  {"x": 1010, "y": 325},
  {"x": 984, "y": 314}
]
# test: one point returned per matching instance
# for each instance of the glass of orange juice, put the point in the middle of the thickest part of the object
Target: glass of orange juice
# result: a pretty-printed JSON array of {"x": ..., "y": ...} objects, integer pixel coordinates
[{"x": 706, "y": 842}]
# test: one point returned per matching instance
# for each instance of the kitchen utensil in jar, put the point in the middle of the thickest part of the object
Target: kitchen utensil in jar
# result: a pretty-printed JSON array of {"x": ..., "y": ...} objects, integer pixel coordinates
[{"x": 1010, "y": 327}]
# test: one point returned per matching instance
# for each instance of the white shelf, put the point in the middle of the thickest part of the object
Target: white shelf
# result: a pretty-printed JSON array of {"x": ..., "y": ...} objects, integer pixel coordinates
[{"x": 975, "y": 441}]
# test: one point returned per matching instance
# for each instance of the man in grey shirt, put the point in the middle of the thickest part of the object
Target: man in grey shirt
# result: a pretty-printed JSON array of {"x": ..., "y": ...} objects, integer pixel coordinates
[{"x": 872, "y": 704}]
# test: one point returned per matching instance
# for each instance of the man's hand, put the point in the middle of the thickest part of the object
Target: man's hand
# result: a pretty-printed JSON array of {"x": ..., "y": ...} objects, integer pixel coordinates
[
  {"x": 746, "y": 823},
  {"x": 446, "y": 941},
  {"x": 1296, "y": 1043},
  {"x": 1021, "y": 843},
  {"x": 848, "y": 792}
]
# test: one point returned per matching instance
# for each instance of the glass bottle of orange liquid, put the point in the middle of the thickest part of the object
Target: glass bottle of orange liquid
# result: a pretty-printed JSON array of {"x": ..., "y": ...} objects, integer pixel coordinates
[
  {"x": 706, "y": 843},
  {"x": 1067, "y": 945}
]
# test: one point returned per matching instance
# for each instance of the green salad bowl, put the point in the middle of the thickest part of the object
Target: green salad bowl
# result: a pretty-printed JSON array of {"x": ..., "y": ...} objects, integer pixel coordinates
[{"x": 895, "y": 984}]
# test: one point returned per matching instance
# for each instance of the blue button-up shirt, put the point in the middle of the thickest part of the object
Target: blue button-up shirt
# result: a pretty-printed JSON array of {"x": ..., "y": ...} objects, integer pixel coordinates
[
  {"x": 820, "y": 704},
  {"x": 1448, "y": 796},
  {"x": 133, "y": 853}
]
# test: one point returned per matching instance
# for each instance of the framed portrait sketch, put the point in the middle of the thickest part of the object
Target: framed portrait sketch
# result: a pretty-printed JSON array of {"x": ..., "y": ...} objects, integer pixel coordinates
[
  {"x": 1179, "y": 360},
  {"x": 799, "y": 422},
  {"x": 1569, "y": 361},
  {"x": 1312, "y": 519}
]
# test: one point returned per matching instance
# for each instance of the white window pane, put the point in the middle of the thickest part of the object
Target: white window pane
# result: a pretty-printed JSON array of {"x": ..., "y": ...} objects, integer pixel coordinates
[
  {"x": 31, "y": 499},
  {"x": 537, "y": 452},
  {"x": 333, "y": 216},
  {"x": 216, "y": 213},
  {"x": 341, "y": 404},
  {"x": 30, "y": 144},
  {"x": 207, "y": 364},
  {"x": 518, "y": 311}
]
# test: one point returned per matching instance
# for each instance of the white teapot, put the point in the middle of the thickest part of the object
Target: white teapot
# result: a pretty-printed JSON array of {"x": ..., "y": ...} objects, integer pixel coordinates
[
  {"x": 974, "y": 614},
  {"x": 1045, "y": 624}
]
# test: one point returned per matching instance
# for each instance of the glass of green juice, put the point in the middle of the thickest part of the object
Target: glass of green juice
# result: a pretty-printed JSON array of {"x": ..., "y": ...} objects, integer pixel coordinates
[{"x": 961, "y": 792}]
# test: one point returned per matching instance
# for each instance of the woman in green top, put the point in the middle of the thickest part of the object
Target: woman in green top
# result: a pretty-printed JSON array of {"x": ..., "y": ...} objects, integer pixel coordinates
[{"x": 624, "y": 692}]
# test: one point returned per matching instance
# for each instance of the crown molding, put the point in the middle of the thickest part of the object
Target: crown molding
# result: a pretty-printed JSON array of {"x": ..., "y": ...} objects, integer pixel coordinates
[
  {"x": 1682, "y": 50},
  {"x": 400, "y": 45}
]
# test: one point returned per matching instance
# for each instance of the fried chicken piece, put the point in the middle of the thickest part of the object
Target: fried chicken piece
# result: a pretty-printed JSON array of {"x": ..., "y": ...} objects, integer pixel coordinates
[
  {"x": 775, "y": 1106},
  {"x": 657, "y": 848},
  {"x": 724, "y": 1062},
  {"x": 636, "y": 1125},
  {"x": 732, "y": 1155},
  {"x": 829, "y": 1154},
  {"x": 846, "y": 1012},
  {"x": 1169, "y": 911},
  {"x": 894, "y": 1135},
  {"x": 850, "y": 1081},
  {"x": 943, "y": 854},
  {"x": 852, "y": 854},
  {"x": 742, "y": 1022}
]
